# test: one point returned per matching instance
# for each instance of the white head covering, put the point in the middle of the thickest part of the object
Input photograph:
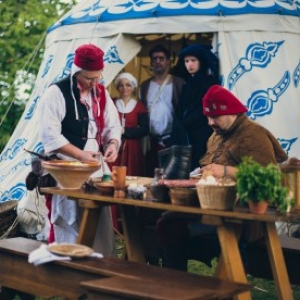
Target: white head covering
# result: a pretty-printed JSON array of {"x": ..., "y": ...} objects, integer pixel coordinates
[
  {"x": 127, "y": 76},
  {"x": 75, "y": 69}
]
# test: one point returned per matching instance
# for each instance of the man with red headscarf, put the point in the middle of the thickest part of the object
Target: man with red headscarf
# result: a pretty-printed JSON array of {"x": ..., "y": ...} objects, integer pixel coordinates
[
  {"x": 77, "y": 120},
  {"x": 235, "y": 136}
]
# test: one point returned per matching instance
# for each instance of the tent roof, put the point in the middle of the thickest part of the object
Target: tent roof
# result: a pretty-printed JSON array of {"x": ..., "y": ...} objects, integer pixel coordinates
[
  {"x": 119, "y": 10},
  {"x": 106, "y": 18}
]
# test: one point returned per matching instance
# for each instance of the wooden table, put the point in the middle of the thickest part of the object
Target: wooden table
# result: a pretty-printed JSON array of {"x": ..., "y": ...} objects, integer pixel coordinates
[{"x": 228, "y": 223}]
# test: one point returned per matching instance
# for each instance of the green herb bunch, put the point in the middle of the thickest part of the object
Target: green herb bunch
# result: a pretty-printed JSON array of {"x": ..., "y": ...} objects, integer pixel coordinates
[{"x": 262, "y": 183}]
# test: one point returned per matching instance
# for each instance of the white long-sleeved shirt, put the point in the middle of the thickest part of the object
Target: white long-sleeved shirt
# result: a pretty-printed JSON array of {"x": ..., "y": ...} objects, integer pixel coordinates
[{"x": 52, "y": 111}]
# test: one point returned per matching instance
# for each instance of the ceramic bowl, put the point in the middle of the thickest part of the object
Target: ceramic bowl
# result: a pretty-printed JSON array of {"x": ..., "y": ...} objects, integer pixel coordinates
[{"x": 70, "y": 174}]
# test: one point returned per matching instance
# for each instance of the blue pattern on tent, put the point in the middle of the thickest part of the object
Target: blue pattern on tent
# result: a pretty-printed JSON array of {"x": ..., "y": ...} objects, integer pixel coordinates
[
  {"x": 14, "y": 168},
  {"x": 47, "y": 65},
  {"x": 261, "y": 102},
  {"x": 296, "y": 75},
  {"x": 287, "y": 144},
  {"x": 32, "y": 108},
  {"x": 10, "y": 153},
  {"x": 17, "y": 192},
  {"x": 112, "y": 56},
  {"x": 66, "y": 71},
  {"x": 257, "y": 55},
  {"x": 106, "y": 11}
]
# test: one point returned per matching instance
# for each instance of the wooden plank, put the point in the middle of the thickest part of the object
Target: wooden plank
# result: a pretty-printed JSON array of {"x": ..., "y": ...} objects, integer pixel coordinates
[
  {"x": 238, "y": 213},
  {"x": 180, "y": 288},
  {"x": 142, "y": 289}
]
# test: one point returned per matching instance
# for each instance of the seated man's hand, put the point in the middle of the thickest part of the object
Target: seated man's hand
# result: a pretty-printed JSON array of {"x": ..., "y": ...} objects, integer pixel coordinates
[
  {"x": 214, "y": 169},
  {"x": 219, "y": 171}
]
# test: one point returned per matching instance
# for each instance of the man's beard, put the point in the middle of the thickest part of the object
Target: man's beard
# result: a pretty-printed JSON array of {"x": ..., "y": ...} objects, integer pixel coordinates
[
  {"x": 159, "y": 71},
  {"x": 218, "y": 130}
]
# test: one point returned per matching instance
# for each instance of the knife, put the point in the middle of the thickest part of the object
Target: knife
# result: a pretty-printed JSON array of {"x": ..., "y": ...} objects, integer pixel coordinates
[{"x": 41, "y": 156}]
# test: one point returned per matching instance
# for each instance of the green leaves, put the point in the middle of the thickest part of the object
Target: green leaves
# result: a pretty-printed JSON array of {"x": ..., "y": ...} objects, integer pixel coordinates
[
  {"x": 261, "y": 183},
  {"x": 23, "y": 26}
]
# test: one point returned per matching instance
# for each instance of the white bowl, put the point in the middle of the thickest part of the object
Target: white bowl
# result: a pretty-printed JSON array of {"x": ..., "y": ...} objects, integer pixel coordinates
[{"x": 70, "y": 174}]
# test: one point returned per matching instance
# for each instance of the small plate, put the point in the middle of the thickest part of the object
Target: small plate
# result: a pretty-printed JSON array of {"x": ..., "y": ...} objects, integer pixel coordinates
[
  {"x": 73, "y": 250},
  {"x": 131, "y": 178}
]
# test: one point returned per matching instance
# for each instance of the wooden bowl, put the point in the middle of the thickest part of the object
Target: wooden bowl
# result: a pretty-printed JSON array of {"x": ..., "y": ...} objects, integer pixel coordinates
[
  {"x": 70, "y": 174},
  {"x": 184, "y": 196},
  {"x": 105, "y": 187}
]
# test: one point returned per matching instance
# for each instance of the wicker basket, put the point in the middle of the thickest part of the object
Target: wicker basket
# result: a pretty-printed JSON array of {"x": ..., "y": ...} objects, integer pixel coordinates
[
  {"x": 8, "y": 215},
  {"x": 220, "y": 197},
  {"x": 184, "y": 196}
]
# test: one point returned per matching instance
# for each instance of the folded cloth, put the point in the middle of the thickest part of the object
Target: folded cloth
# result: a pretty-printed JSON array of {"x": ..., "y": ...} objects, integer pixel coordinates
[
  {"x": 42, "y": 255},
  {"x": 195, "y": 172}
]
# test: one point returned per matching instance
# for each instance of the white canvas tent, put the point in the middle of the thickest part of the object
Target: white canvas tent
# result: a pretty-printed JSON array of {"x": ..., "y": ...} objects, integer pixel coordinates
[{"x": 258, "y": 43}]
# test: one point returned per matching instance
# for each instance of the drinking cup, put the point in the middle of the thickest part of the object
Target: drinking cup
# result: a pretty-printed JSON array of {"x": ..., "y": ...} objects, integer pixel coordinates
[{"x": 119, "y": 180}]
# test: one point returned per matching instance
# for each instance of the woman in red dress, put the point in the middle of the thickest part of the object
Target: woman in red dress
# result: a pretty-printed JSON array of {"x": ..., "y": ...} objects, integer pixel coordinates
[{"x": 135, "y": 123}]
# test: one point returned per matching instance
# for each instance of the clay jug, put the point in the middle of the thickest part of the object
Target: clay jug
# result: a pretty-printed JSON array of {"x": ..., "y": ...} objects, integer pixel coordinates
[
  {"x": 159, "y": 191},
  {"x": 178, "y": 163}
]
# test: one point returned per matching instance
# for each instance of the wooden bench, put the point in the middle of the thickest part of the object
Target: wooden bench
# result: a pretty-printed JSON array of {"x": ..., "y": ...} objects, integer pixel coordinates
[
  {"x": 258, "y": 263},
  {"x": 123, "y": 279},
  {"x": 115, "y": 288}
]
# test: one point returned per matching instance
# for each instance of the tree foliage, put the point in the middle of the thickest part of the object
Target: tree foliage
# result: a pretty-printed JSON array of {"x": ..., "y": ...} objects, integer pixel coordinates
[{"x": 23, "y": 26}]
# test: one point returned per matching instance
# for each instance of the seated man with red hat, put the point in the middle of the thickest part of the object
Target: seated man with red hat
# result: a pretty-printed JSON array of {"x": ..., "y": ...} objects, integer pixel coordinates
[
  {"x": 77, "y": 120},
  {"x": 235, "y": 136}
]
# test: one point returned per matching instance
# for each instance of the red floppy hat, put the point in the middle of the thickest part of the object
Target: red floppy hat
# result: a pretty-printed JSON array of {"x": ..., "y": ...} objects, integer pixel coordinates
[
  {"x": 219, "y": 101},
  {"x": 89, "y": 57}
]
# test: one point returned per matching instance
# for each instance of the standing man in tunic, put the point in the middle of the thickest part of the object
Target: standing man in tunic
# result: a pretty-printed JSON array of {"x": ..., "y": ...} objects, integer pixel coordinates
[
  {"x": 77, "y": 120},
  {"x": 160, "y": 94}
]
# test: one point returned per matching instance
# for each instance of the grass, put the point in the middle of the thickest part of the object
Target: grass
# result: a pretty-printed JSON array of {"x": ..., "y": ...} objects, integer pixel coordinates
[{"x": 263, "y": 289}]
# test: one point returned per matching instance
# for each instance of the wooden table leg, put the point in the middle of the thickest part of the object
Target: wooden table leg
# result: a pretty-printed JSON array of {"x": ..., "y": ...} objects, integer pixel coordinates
[
  {"x": 277, "y": 262},
  {"x": 221, "y": 270},
  {"x": 89, "y": 222},
  {"x": 231, "y": 257},
  {"x": 132, "y": 236}
]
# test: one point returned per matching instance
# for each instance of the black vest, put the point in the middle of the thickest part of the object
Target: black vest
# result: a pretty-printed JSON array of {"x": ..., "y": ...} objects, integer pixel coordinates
[{"x": 75, "y": 131}]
